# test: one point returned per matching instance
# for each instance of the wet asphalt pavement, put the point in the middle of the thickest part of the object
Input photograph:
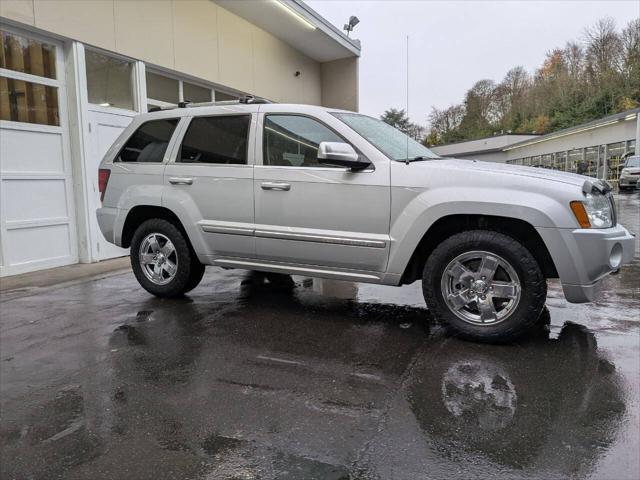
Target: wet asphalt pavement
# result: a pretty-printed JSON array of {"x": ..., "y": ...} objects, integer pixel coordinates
[{"x": 247, "y": 379}]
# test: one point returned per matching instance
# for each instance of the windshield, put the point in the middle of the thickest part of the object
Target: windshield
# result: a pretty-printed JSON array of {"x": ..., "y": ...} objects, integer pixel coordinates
[
  {"x": 389, "y": 140},
  {"x": 633, "y": 162}
]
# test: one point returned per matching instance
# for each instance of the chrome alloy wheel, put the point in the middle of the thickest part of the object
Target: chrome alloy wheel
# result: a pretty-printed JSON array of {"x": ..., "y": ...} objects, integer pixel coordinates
[
  {"x": 158, "y": 258},
  {"x": 480, "y": 287}
]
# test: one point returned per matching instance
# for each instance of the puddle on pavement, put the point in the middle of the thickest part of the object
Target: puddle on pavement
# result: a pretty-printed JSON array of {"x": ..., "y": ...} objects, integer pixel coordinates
[{"x": 263, "y": 376}]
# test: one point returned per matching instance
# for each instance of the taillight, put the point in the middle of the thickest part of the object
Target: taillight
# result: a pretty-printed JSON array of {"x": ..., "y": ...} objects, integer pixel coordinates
[{"x": 103, "y": 179}]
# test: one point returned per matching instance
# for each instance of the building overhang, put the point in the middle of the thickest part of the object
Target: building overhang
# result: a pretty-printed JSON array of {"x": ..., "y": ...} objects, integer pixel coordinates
[{"x": 298, "y": 25}]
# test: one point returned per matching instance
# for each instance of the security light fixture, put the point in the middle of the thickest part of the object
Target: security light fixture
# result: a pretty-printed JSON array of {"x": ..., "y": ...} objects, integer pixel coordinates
[
  {"x": 353, "y": 21},
  {"x": 285, "y": 6}
]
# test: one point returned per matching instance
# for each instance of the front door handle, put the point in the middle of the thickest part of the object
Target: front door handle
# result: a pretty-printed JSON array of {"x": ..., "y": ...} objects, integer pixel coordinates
[
  {"x": 285, "y": 187},
  {"x": 180, "y": 180}
]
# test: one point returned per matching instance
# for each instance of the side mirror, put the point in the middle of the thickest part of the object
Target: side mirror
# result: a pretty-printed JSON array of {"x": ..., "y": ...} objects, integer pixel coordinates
[{"x": 340, "y": 155}]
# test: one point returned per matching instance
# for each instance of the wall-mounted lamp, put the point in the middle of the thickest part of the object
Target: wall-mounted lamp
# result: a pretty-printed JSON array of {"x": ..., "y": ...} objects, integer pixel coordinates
[{"x": 353, "y": 21}]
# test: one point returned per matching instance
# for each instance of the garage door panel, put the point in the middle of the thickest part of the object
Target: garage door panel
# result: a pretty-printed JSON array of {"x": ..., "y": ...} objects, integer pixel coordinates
[
  {"x": 37, "y": 244},
  {"x": 37, "y": 207},
  {"x": 28, "y": 151},
  {"x": 27, "y": 199}
]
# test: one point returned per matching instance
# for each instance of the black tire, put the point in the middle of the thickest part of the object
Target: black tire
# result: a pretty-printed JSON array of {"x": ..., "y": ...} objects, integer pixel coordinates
[
  {"x": 189, "y": 269},
  {"x": 533, "y": 286}
]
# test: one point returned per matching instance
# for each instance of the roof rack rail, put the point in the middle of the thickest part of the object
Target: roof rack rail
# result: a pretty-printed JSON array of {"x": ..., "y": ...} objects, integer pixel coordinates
[{"x": 246, "y": 100}]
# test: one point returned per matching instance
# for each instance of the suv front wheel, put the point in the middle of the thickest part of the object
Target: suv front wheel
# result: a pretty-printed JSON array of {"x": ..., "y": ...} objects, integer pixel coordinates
[
  {"x": 484, "y": 285},
  {"x": 162, "y": 261}
]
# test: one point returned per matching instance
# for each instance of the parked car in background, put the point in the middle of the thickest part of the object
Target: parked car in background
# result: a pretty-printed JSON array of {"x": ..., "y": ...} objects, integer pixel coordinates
[
  {"x": 314, "y": 191},
  {"x": 630, "y": 173}
]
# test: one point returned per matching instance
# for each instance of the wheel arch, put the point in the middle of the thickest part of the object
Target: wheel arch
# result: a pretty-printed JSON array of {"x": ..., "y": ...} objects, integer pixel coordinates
[
  {"x": 141, "y": 213},
  {"x": 448, "y": 225}
]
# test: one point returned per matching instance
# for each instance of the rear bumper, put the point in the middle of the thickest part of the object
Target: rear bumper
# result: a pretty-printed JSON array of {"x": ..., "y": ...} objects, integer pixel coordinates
[
  {"x": 583, "y": 257},
  {"x": 110, "y": 221}
]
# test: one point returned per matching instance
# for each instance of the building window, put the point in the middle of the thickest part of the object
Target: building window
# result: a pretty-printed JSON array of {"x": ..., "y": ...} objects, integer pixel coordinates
[
  {"x": 33, "y": 101},
  {"x": 26, "y": 55},
  {"x": 149, "y": 143},
  {"x": 219, "y": 139},
  {"x": 224, "y": 97},
  {"x": 109, "y": 80},
  {"x": 614, "y": 154},
  {"x": 164, "y": 89},
  {"x": 28, "y": 102},
  {"x": 195, "y": 93},
  {"x": 168, "y": 91}
]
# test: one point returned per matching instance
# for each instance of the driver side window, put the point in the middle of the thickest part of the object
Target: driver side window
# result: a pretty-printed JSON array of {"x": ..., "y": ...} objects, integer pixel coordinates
[{"x": 293, "y": 141}]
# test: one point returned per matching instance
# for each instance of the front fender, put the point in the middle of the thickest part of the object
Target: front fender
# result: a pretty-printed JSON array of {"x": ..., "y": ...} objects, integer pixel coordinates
[{"x": 416, "y": 210}]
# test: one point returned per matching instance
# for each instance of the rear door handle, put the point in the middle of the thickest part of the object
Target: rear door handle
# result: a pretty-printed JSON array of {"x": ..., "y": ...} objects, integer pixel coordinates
[
  {"x": 285, "y": 187},
  {"x": 180, "y": 180}
]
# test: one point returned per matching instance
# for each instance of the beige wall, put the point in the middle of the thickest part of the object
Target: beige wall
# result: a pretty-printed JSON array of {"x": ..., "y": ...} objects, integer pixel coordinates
[
  {"x": 340, "y": 84},
  {"x": 196, "y": 37}
]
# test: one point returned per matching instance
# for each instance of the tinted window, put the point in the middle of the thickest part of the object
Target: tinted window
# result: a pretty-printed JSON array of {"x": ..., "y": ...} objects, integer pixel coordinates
[
  {"x": 292, "y": 141},
  {"x": 149, "y": 142},
  {"x": 216, "y": 139}
]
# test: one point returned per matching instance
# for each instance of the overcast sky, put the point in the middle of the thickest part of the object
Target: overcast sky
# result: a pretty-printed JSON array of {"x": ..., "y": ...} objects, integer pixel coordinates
[{"x": 452, "y": 44}]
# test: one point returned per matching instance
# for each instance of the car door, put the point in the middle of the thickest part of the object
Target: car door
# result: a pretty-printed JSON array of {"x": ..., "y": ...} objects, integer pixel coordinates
[
  {"x": 209, "y": 182},
  {"x": 308, "y": 213}
]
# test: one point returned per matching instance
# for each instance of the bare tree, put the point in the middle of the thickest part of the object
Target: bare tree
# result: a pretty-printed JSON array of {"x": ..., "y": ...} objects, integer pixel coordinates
[
  {"x": 603, "y": 47},
  {"x": 631, "y": 43},
  {"x": 443, "y": 123}
]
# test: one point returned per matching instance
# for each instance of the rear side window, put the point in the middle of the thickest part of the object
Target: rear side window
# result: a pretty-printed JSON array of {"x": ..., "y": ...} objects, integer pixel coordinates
[
  {"x": 149, "y": 143},
  {"x": 219, "y": 139}
]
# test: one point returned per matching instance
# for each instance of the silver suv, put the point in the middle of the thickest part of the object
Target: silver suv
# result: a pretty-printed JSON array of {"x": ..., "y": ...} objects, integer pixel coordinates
[{"x": 305, "y": 190}]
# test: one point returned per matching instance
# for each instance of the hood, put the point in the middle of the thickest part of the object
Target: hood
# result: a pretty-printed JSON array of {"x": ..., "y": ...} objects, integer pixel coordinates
[{"x": 503, "y": 168}]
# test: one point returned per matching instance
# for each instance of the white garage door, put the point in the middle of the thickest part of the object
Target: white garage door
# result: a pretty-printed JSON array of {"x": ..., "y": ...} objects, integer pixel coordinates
[
  {"x": 105, "y": 129},
  {"x": 37, "y": 221}
]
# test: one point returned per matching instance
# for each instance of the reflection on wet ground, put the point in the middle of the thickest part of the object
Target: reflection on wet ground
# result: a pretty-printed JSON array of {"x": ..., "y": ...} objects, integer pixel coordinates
[{"x": 258, "y": 377}]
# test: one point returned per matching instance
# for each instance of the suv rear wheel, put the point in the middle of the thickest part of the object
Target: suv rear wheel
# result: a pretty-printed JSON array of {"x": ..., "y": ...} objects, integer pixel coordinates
[
  {"x": 484, "y": 285},
  {"x": 162, "y": 261}
]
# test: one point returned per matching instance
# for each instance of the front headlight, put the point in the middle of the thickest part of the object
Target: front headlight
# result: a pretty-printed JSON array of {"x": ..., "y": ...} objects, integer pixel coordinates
[
  {"x": 596, "y": 211},
  {"x": 599, "y": 210}
]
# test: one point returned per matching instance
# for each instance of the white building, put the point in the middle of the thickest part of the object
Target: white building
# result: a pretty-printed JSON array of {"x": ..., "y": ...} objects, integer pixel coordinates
[
  {"x": 594, "y": 148},
  {"x": 490, "y": 149},
  {"x": 74, "y": 73}
]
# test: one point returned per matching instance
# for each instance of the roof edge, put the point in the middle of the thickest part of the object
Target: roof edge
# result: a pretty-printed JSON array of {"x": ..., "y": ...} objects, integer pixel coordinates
[
  {"x": 325, "y": 25},
  {"x": 600, "y": 122}
]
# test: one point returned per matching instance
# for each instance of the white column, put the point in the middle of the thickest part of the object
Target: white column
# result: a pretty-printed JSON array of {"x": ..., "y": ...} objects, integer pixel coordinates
[
  {"x": 78, "y": 127},
  {"x": 140, "y": 86},
  {"x": 637, "y": 149}
]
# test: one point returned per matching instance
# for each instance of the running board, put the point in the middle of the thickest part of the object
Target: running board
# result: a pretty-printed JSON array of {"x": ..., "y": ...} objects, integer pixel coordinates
[{"x": 309, "y": 271}]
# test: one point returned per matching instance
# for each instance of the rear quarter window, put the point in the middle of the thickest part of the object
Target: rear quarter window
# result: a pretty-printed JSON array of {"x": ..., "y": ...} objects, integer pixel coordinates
[
  {"x": 149, "y": 142},
  {"x": 218, "y": 139}
]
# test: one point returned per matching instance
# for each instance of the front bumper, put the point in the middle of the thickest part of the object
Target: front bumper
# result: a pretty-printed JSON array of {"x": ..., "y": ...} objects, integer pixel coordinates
[
  {"x": 583, "y": 257},
  {"x": 628, "y": 181}
]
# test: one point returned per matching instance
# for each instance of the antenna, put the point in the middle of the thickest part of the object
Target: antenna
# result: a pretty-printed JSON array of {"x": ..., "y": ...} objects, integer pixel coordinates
[{"x": 406, "y": 161}]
